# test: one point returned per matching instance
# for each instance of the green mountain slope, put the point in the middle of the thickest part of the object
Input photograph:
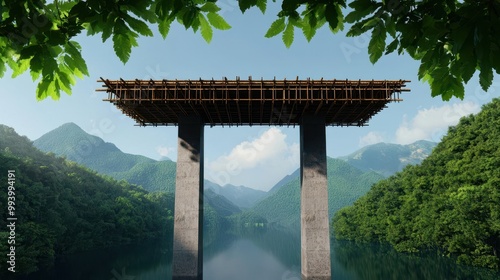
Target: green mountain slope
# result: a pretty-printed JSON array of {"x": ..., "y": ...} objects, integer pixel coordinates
[
  {"x": 220, "y": 204},
  {"x": 241, "y": 196},
  {"x": 450, "y": 202},
  {"x": 288, "y": 178},
  {"x": 387, "y": 159},
  {"x": 63, "y": 208},
  {"x": 70, "y": 141},
  {"x": 345, "y": 184}
]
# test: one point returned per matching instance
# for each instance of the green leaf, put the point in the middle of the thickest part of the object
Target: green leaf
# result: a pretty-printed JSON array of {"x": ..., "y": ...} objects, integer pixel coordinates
[
  {"x": 141, "y": 9},
  {"x": 107, "y": 31},
  {"x": 42, "y": 89},
  {"x": 195, "y": 25},
  {"x": 164, "y": 27},
  {"x": 376, "y": 46},
  {"x": 36, "y": 63},
  {"x": 74, "y": 49},
  {"x": 63, "y": 82},
  {"x": 210, "y": 7},
  {"x": 450, "y": 86},
  {"x": 139, "y": 26},
  {"x": 262, "y": 4},
  {"x": 246, "y": 4},
  {"x": 332, "y": 16},
  {"x": 123, "y": 40},
  {"x": 217, "y": 21},
  {"x": 390, "y": 25},
  {"x": 360, "y": 4},
  {"x": 21, "y": 66},
  {"x": 371, "y": 22},
  {"x": 206, "y": 29},
  {"x": 361, "y": 11},
  {"x": 188, "y": 17},
  {"x": 495, "y": 58},
  {"x": 288, "y": 35},
  {"x": 485, "y": 76},
  {"x": 358, "y": 28},
  {"x": 3, "y": 68},
  {"x": 308, "y": 31},
  {"x": 444, "y": 84},
  {"x": 392, "y": 46},
  {"x": 276, "y": 28}
]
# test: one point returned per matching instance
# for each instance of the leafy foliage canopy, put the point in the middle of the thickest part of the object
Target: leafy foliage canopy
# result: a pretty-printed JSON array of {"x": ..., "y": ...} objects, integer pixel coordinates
[
  {"x": 449, "y": 203},
  {"x": 452, "y": 39}
]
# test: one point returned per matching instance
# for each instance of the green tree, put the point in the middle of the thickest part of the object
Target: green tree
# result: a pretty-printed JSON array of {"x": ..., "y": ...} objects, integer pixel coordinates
[
  {"x": 450, "y": 203},
  {"x": 63, "y": 208},
  {"x": 452, "y": 39}
]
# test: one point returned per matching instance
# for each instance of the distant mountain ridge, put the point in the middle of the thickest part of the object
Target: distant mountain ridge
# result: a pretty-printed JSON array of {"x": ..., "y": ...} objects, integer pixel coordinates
[
  {"x": 243, "y": 197},
  {"x": 72, "y": 142},
  {"x": 387, "y": 158},
  {"x": 288, "y": 178},
  {"x": 346, "y": 183}
]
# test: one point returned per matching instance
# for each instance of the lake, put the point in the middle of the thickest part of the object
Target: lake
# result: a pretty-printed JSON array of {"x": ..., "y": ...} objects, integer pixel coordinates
[{"x": 266, "y": 254}]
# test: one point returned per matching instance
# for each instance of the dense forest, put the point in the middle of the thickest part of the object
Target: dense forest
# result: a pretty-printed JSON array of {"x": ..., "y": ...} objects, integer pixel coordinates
[
  {"x": 63, "y": 208},
  {"x": 345, "y": 184},
  {"x": 450, "y": 203}
]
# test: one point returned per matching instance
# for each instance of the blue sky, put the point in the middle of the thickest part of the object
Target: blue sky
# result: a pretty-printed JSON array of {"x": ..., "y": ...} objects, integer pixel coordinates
[{"x": 256, "y": 156}]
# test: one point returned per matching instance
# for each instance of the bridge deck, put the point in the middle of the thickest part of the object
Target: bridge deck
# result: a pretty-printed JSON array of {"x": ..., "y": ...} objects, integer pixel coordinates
[{"x": 252, "y": 102}]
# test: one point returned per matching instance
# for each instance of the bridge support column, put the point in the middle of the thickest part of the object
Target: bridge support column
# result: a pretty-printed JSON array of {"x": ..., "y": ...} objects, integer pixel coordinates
[
  {"x": 315, "y": 234},
  {"x": 188, "y": 217}
]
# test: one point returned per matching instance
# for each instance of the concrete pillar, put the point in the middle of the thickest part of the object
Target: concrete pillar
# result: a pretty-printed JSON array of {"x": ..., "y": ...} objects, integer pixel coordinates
[
  {"x": 315, "y": 234},
  {"x": 187, "y": 260}
]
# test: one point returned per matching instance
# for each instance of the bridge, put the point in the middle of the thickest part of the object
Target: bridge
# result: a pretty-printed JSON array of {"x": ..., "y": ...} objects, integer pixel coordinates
[{"x": 193, "y": 104}]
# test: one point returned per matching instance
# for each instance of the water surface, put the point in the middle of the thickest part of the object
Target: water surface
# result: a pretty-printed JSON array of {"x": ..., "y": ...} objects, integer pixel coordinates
[{"x": 272, "y": 254}]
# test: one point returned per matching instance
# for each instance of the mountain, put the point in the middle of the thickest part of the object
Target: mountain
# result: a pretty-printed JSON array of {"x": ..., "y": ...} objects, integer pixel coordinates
[
  {"x": 345, "y": 184},
  {"x": 382, "y": 158},
  {"x": 221, "y": 205},
  {"x": 241, "y": 196},
  {"x": 288, "y": 178},
  {"x": 64, "y": 208},
  {"x": 450, "y": 203},
  {"x": 387, "y": 159},
  {"x": 71, "y": 142}
]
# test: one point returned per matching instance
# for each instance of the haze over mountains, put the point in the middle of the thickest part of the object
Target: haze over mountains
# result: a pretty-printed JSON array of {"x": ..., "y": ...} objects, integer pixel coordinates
[
  {"x": 387, "y": 159},
  {"x": 70, "y": 141}
]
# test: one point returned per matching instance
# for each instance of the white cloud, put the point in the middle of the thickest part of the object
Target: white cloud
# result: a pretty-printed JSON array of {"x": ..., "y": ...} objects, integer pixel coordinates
[
  {"x": 371, "y": 138},
  {"x": 165, "y": 151},
  {"x": 259, "y": 163},
  {"x": 431, "y": 123}
]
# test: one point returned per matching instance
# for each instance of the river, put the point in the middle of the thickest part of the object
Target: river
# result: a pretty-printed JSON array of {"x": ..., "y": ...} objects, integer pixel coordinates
[{"x": 267, "y": 254}]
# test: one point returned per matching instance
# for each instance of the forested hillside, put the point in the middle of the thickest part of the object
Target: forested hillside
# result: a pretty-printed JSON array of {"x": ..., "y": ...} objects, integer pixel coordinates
[
  {"x": 345, "y": 184},
  {"x": 451, "y": 202},
  {"x": 70, "y": 141},
  {"x": 63, "y": 208}
]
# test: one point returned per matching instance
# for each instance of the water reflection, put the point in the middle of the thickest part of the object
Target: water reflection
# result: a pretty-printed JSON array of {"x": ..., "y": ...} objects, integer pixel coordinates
[
  {"x": 272, "y": 254},
  {"x": 150, "y": 260},
  {"x": 377, "y": 261},
  {"x": 243, "y": 260}
]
